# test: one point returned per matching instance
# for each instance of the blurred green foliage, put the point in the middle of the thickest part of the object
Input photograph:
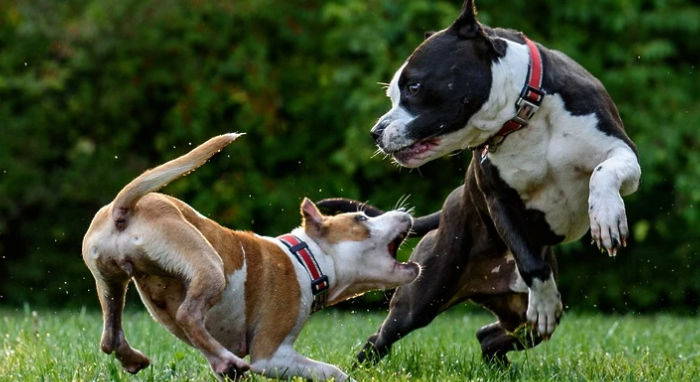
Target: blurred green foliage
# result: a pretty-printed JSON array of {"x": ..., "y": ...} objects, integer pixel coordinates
[{"x": 93, "y": 93}]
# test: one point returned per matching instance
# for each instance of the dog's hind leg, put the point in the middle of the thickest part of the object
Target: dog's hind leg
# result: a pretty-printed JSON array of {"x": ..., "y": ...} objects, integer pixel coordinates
[
  {"x": 415, "y": 305},
  {"x": 176, "y": 248},
  {"x": 511, "y": 331},
  {"x": 204, "y": 291},
  {"x": 111, "y": 289}
]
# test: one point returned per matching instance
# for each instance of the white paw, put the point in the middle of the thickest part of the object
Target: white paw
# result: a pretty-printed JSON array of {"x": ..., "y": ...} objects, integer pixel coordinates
[
  {"x": 606, "y": 211},
  {"x": 544, "y": 306}
]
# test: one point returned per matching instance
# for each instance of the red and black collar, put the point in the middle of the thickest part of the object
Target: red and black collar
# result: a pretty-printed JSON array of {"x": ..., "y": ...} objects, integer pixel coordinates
[
  {"x": 319, "y": 281},
  {"x": 527, "y": 104}
]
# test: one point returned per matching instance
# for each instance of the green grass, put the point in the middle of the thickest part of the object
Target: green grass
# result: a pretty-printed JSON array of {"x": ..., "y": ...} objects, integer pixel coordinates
[{"x": 63, "y": 346}]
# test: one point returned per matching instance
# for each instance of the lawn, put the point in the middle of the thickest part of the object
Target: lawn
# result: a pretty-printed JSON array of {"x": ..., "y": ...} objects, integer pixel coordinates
[{"x": 63, "y": 346}]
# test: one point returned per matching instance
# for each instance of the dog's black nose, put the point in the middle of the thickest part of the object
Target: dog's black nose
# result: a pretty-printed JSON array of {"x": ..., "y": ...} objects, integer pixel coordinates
[
  {"x": 375, "y": 134},
  {"x": 377, "y": 131}
]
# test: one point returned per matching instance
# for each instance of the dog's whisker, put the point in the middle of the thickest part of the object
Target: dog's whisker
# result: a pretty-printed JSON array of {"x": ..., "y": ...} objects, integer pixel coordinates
[
  {"x": 384, "y": 85},
  {"x": 402, "y": 203},
  {"x": 377, "y": 152}
]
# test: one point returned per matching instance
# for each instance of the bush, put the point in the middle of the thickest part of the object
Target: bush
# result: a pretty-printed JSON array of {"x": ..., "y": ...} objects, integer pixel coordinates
[{"x": 94, "y": 93}]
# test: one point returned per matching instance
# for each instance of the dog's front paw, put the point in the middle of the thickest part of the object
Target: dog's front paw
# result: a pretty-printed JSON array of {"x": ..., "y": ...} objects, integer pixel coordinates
[
  {"x": 544, "y": 307},
  {"x": 608, "y": 221}
]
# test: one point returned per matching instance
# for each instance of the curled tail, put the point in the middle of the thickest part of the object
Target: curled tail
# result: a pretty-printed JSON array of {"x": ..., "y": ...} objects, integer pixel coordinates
[{"x": 154, "y": 179}]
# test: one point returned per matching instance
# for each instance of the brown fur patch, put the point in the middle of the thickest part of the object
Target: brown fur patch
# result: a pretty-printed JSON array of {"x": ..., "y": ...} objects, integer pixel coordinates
[
  {"x": 480, "y": 278},
  {"x": 344, "y": 227},
  {"x": 272, "y": 296},
  {"x": 165, "y": 295},
  {"x": 224, "y": 240}
]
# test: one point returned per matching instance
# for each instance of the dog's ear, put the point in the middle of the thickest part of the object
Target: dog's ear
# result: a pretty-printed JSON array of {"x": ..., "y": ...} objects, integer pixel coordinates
[
  {"x": 466, "y": 24},
  {"x": 312, "y": 219},
  {"x": 427, "y": 34}
]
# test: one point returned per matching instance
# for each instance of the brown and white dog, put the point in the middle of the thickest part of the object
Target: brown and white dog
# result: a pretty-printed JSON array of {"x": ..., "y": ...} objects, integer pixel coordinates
[{"x": 232, "y": 293}]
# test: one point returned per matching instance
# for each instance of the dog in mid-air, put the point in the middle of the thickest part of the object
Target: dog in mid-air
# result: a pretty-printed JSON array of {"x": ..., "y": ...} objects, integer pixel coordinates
[
  {"x": 232, "y": 293},
  {"x": 551, "y": 159}
]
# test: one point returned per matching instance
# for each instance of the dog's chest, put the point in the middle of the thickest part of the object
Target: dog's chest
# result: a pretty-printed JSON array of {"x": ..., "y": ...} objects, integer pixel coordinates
[{"x": 550, "y": 164}]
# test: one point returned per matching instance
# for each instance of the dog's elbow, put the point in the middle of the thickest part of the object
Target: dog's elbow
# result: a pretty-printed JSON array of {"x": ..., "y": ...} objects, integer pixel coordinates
[{"x": 630, "y": 183}]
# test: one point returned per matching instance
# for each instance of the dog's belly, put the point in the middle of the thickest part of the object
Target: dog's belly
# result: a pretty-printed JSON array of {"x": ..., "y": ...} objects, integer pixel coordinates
[{"x": 226, "y": 320}]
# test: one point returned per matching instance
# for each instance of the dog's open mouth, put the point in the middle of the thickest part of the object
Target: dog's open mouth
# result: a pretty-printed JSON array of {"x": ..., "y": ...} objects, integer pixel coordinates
[
  {"x": 394, "y": 245},
  {"x": 416, "y": 150}
]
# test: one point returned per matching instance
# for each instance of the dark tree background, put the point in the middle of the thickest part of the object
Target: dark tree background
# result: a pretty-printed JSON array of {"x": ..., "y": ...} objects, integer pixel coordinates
[{"x": 93, "y": 93}]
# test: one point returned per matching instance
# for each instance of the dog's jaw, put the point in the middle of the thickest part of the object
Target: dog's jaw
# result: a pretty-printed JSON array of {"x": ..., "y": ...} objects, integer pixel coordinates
[{"x": 417, "y": 153}]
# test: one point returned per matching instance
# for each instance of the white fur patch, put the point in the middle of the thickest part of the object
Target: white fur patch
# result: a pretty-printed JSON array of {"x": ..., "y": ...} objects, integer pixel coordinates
[
  {"x": 517, "y": 283},
  {"x": 544, "y": 305},
  {"x": 287, "y": 363},
  {"x": 393, "y": 91},
  {"x": 394, "y": 135},
  {"x": 226, "y": 321}
]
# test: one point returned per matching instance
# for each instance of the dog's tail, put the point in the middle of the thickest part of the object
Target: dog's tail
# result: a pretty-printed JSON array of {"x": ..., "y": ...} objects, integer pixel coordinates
[
  {"x": 154, "y": 179},
  {"x": 421, "y": 225}
]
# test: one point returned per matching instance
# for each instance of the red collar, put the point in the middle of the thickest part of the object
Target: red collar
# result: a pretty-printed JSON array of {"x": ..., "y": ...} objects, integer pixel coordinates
[
  {"x": 319, "y": 281},
  {"x": 527, "y": 104}
]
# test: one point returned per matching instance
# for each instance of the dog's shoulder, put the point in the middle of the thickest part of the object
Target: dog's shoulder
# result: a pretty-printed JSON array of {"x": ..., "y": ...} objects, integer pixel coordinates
[{"x": 581, "y": 92}]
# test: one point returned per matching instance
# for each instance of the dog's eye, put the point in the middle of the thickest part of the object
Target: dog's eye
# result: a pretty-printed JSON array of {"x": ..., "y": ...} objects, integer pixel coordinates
[
  {"x": 360, "y": 218},
  {"x": 414, "y": 88}
]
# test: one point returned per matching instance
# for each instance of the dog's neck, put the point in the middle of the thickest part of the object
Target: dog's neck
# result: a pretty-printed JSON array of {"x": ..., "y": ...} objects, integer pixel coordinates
[
  {"x": 343, "y": 283},
  {"x": 509, "y": 75}
]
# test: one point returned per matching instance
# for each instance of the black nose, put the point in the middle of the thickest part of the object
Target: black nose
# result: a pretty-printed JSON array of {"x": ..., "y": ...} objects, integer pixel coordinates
[{"x": 377, "y": 131}]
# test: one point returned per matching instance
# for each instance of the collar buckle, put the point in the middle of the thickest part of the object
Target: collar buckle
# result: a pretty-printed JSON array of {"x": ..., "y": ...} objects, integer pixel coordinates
[
  {"x": 526, "y": 110},
  {"x": 320, "y": 285},
  {"x": 528, "y": 103},
  {"x": 319, "y": 288}
]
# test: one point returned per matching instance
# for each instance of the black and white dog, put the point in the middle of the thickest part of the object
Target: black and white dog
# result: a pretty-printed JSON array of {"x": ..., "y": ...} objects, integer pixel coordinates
[{"x": 563, "y": 167}]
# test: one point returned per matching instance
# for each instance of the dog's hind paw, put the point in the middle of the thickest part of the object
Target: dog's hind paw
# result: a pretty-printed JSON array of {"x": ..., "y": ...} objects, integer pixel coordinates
[
  {"x": 544, "y": 307},
  {"x": 133, "y": 360},
  {"x": 232, "y": 367}
]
